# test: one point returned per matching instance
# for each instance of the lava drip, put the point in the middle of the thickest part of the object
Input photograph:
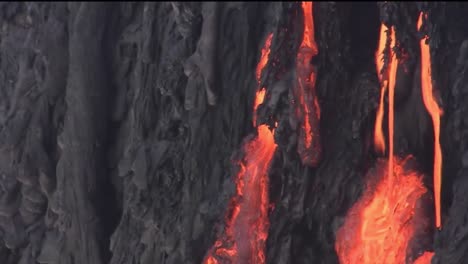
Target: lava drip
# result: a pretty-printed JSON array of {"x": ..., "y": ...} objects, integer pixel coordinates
[
  {"x": 246, "y": 227},
  {"x": 381, "y": 224},
  {"x": 387, "y": 78},
  {"x": 260, "y": 94},
  {"x": 307, "y": 106},
  {"x": 425, "y": 258},
  {"x": 379, "y": 138},
  {"x": 435, "y": 111},
  {"x": 391, "y": 99}
]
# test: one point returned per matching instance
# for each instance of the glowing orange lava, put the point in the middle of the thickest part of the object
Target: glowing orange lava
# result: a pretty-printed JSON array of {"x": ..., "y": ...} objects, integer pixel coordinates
[
  {"x": 380, "y": 225},
  {"x": 379, "y": 138},
  {"x": 259, "y": 97},
  {"x": 308, "y": 108},
  {"x": 246, "y": 228},
  {"x": 424, "y": 258},
  {"x": 386, "y": 76},
  {"x": 435, "y": 111},
  {"x": 260, "y": 94},
  {"x": 264, "y": 57},
  {"x": 391, "y": 98}
]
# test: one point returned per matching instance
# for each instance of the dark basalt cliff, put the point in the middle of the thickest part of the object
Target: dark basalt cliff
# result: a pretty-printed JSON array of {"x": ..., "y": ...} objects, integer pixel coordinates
[{"x": 120, "y": 122}]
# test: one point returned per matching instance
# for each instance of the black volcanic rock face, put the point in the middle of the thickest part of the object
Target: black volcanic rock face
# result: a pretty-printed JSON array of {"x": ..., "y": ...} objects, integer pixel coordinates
[{"x": 120, "y": 122}]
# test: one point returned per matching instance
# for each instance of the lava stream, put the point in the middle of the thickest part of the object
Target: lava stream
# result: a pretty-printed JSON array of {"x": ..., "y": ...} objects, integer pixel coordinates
[
  {"x": 379, "y": 138},
  {"x": 308, "y": 109},
  {"x": 386, "y": 76},
  {"x": 260, "y": 95},
  {"x": 435, "y": 111},
  {"x": 246, "y": 227},
  {"x": 391, "y": 98},
  {"x": 425, "y": 258},
  {"x": 380, "y": 225}
]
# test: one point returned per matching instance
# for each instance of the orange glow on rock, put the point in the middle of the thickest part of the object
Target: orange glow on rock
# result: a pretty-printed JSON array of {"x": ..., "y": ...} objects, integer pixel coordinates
[
  {"x": 425, "y": 258},
  {"x": 380, "y": 225},
  {"x": 435, "y": 112},
  {"x": 379, "y": 138},
  {"x": 264, "y": 57},
  {"x": 387, "y": 77},
  {"x": 393, "y": 66},
  {"x": 260, "y": 94},
  {"x": 308, "y": 39},
  {"x": 247, "y": 226},
  {"x": 259, "y": 98},
  {"x": 379, "y": 54},
  {"x": 307, "y": 108}
]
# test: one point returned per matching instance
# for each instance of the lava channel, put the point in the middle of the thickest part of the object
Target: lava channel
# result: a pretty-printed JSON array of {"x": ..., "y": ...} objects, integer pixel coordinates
[
  {"x": 246, "y": 226},
  {"x": 387, "y": 78},
  {"x": 379, "y": 138},
  {"x": 307, "y": 106},
  {"x": 380, "y": 225},
  {"x": 435, "y": 111}
]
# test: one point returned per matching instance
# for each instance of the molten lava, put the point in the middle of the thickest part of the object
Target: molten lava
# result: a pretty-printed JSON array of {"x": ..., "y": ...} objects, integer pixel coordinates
[
  {"x": 387, "y": 77},
  {"x": 247, "y": 225},
  {"x": 380, "y": 225},
  {"x": 391, "y": 98},
  {"x": 259, "y": 97},
  {"x": 379, "y": 138},
  {"x": 246, "y": 228},
  {"x": 264, "y": 57},
  {"x": 435, "y": 111},
  {"x": 307, "y": 108},
  {"x": 260, "y": 94},
  {"x": 425, "y": 258}
]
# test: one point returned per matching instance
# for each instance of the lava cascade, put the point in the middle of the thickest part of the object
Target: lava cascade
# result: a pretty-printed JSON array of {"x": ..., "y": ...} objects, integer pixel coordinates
[
  {"x": 379, "y": 138},
  {"x": 391, "y": 103},
  {"x": 260, "y": 94},
  {"x": 246, "y": 227},
  {"x": 380, "y": 225},
  {"x": 435, "y": 112},
  {"x": 307, "y": 106}
]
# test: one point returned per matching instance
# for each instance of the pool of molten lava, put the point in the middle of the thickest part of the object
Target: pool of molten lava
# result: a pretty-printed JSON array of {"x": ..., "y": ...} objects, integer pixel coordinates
[{"x": 380, "y": 225}]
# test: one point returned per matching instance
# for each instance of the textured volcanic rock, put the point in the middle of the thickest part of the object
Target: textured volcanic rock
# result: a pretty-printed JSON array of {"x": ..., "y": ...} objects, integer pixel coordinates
[{"x": 119, "y": 123}]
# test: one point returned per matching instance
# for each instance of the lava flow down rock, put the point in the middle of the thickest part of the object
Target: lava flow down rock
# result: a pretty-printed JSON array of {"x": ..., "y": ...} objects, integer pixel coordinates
[
  {"x": 291, "y": 132},
  {"x": 246, "y": 227},
  {"x": 435, "y": 111},
  {"x": 307, "y": 106},
  {"x": 380, "y": 226}
]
